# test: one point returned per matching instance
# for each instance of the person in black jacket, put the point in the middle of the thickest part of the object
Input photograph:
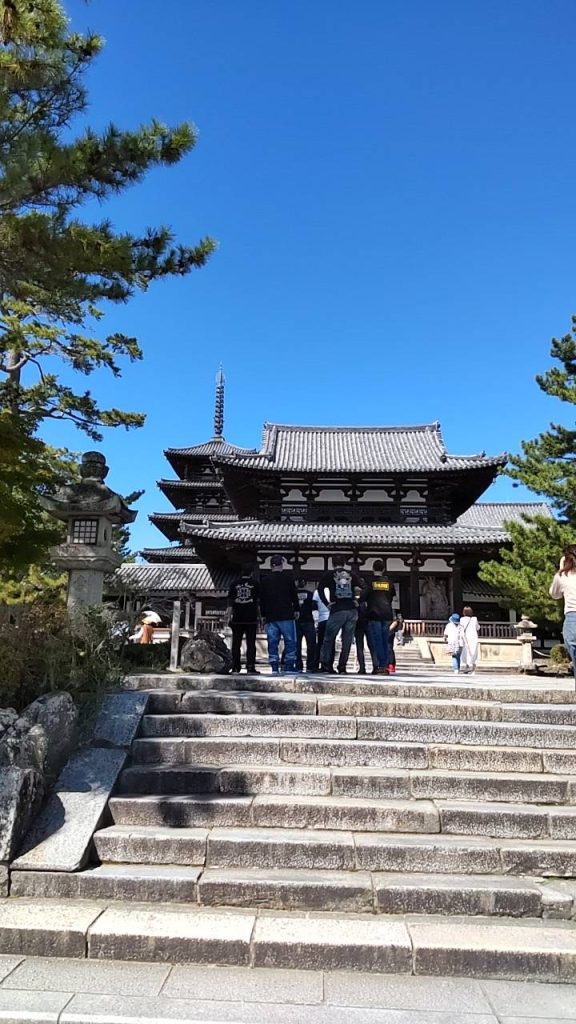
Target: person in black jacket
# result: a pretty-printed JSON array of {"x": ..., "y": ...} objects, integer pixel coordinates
[
  {"x": 280, "y": 608},
  {"x": 243, "y": 617},
  {"x": 339, "y": 588},
  {"x": 379, "y": 596},
  {"x": 305, "y": 628}
]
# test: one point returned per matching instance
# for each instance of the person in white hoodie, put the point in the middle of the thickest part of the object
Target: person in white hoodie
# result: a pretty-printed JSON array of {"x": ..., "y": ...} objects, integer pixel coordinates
[
  {"x": 564, "y": 586},
  {"x": 469, "y": 627},
  {"x": 453, "y": 637}
]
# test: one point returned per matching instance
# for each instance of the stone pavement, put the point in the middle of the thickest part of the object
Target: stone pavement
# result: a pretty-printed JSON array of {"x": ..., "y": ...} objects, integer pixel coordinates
[{"x": 51, "y": 991}]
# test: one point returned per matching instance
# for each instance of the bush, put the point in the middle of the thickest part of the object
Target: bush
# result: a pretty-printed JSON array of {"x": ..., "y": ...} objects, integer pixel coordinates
[
  {"x": 45, "y": 650},
  {"x": 146, "y": 656},
  {"x": 559, "y": 655}
]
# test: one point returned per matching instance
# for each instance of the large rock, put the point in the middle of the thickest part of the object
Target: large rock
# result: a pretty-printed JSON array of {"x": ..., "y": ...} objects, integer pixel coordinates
[
  {"x": 42, "y": 737},
  {"x": 207, "y": 652},
  {"x": 21, "y": 793}
]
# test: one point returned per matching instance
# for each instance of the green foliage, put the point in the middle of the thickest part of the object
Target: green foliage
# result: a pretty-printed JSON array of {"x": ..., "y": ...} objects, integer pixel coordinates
[
  {"x": 146, "y": 656},
  {"x": 548, "y": 463},
  {"x": 547, "y": 466},
  {"x": 58, "y": 271},
  {"x": 524, "y": 574},
  {"x": 42, "y": 650},
  {"x": 559, "y": 655}
]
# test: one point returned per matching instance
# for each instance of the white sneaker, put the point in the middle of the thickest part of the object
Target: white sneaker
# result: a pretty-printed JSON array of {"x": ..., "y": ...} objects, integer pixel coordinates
[{"x": 456, "y": 671}]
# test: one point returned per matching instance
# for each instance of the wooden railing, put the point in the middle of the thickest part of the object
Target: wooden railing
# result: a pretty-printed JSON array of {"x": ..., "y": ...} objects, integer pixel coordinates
[{"x": 436, "y": 627}]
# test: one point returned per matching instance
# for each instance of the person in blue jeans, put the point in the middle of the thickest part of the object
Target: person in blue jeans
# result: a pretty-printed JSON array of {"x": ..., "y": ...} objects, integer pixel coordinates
[
  {"x": 564, "y": 586},
  {"x": 379, "y": 595},
  {"x": 279, "y": 607}
]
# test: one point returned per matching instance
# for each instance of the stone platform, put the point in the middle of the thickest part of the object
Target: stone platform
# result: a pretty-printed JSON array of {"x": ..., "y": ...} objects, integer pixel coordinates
[{"x": 417, "y": 824}]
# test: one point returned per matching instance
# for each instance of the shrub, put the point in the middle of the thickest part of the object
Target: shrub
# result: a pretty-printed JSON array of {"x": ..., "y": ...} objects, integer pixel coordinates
[
  {"x": 145, "y": 656},
  {"x": 559, "y": 655},
  {"x": 45, "y": 650}
]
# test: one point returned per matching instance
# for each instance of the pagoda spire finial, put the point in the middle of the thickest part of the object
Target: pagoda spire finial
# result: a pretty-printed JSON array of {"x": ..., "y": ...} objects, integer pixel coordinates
[{"x": 219, "y": 404}]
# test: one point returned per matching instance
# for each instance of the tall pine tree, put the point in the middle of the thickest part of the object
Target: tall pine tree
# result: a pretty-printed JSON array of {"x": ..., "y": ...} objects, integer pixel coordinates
[
  {"x": 57, "y": 269},
  {"x": 547, "y": 465}
]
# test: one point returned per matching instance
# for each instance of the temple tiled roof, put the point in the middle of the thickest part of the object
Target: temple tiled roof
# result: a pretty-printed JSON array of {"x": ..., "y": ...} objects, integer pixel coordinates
[
  {"x": 177, "y": 578},
  {"x": 192, "y": 485},
  {"x": 355, "y": 450},
  {"x": 253, "y": 532},
  {"x": 489, "y": 514},
  {"x": 194, "y": 517},
  {"x": 178, "y": 553},
  {"x": 216, "y": 446}
]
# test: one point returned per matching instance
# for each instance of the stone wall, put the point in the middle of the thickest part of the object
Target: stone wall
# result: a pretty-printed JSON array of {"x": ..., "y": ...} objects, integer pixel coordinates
[{"x": 34, "y": 745}]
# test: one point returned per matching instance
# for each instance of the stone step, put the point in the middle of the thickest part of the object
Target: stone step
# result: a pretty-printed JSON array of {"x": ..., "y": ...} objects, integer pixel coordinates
[
  {"x": 167, "y": 691},
  {"x": 213, "y": 810},
  {"x": 374, "y": 783},
  {"x": 455, "y": 756},
  {"x": 364, "y": 728},
  {"x": 384, "y": 706},
  {"x": 499, "y": 820},
  {"x": 337, "y": 727},
  {"x": 324, "y": 849},
  {"x": 305, "y": 889},
  {"x": 502, "y": 948}
]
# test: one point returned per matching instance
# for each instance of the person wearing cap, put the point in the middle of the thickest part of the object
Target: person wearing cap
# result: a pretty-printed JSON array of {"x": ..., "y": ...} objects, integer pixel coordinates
[
  {"x": 280, "y": 607},
  {"x": 453, "y": 637}
]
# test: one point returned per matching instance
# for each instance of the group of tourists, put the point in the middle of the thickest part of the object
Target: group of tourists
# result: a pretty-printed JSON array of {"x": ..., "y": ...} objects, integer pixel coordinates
[{"x": 343, "y": 603}]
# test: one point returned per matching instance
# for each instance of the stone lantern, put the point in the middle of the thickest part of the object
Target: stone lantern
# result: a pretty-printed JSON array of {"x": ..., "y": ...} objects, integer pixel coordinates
[
  {"x": 90, "y": 510},
  {"x": 527, "y": 639}
]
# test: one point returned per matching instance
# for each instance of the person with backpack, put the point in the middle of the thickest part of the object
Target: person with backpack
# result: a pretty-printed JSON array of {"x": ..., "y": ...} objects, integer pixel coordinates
[
  {"x": 379, "y": 596},
  {"x": 336, "y": 589},
  {"x": 242, "y": 614}
]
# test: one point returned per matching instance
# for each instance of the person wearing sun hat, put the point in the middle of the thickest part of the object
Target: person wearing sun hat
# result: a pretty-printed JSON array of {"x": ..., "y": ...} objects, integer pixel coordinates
[{"x": 454, "y": 640}]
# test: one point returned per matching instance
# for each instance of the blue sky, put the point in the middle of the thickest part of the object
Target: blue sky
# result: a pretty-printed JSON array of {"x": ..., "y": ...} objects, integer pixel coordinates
[{"x": 392, "y": 189}]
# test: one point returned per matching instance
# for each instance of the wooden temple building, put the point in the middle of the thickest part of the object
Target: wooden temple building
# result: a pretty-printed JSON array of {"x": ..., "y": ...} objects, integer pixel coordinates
[{"x": 309, "y": 492}]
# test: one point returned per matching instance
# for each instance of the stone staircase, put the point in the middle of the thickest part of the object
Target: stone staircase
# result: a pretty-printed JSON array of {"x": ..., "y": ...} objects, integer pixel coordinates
[{"x": 332, "y": 809}]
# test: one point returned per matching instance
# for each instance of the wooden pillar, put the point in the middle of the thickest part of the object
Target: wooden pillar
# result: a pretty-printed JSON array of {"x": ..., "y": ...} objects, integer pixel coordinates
[
  {"x": 187, "y": 615},
  {"x": 414, "y": 562},
  {"x": 457, "y": 596},
  {"x": 175, "y": 636}
]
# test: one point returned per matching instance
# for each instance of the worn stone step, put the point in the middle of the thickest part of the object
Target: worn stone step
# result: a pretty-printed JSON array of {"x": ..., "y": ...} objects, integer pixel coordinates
[
  {"x": 473, "y": 733},
  {"x": 212, "y": 810},
  {"x": 481, "y": 947},
  {"x": 287, "y": 889},
  {"x": 509, "y": 787},
  {"x": 222, "y": 751},
  {"x": 501, "y": 820},
  {"x": 249, "y": 725},
  {"x": 373, "y": 783},
  {"x": 170, "y": 688},
  {"x": 242, "y": 702},
  {"x": 486, "y": 895},
  {"x": 324, "y": 849},
  {"x": 157, "y": 844},
  {"x": 498, "y": 820},
  {"x": 453, "y": 708},
  {"x": 200, "y": 811},
  {"x": 379, "y": 705},
  {"x": 143, "y": 882},
  {"x": 239, "y": 779}
]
